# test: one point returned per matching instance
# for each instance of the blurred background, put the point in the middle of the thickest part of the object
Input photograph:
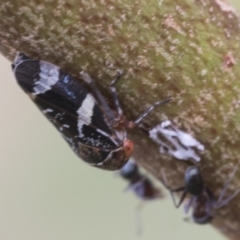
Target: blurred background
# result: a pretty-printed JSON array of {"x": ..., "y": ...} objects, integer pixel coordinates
[{"x": 47, "y": 193}]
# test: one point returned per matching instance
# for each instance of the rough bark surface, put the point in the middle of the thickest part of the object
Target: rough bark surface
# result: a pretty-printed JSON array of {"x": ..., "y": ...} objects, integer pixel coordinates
[{"x": 187, "y": 49}]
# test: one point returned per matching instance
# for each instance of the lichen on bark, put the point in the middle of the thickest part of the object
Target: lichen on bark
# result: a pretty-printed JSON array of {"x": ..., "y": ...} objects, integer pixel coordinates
[{"x": 185, "y": 49}]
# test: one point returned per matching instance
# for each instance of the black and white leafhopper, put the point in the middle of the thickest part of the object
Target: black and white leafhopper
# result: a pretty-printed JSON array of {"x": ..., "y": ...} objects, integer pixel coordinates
[{"x": 96, "y": 133}]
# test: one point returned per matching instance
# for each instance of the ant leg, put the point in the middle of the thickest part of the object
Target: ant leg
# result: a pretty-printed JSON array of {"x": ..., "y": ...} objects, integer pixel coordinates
[
  {"x": 139, "y": 224},
  {"x": 220, "y": 202},
  {"x": 164, "y": 182},
  {"x": 227, "y": 200},
  {"x": 182, "y": 197},
  {"x": 114, "y": 93},
  {"x": 146, "y": 113},
  {"x": 108, "y": 112},
  {"x": 189, "y": 204}
]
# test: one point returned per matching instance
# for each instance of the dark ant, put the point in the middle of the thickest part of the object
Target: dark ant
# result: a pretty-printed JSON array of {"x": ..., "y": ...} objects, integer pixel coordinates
[
  {"x": 141, "y": 185},
  {"x": 202, "y": 199}
]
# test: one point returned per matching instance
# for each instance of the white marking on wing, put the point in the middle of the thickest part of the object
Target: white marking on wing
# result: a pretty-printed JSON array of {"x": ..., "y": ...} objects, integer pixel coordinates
[
  {"x": 48, "y": 76},
  {"x": 85, "y": 113},
  {"x": 48, "y": 110}
]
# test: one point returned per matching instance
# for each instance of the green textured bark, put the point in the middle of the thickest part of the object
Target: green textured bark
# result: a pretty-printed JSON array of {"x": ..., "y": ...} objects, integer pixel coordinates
[{"x": 189, "y": 50}]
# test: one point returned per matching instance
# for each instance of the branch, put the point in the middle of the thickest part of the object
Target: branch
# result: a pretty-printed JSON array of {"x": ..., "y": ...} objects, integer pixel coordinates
[{"x": 185, "y": 49}]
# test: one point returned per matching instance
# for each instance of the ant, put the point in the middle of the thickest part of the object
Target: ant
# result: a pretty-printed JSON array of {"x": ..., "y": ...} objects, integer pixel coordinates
[
  {"x": 141, "y": 185},
  {"x": 202, "y": 199}
]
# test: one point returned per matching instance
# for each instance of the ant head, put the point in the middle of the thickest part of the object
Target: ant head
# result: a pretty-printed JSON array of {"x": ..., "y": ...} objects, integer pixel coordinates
[
  {"x": 129, "y": 171},
  {"x": 193, "y": 181}
]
